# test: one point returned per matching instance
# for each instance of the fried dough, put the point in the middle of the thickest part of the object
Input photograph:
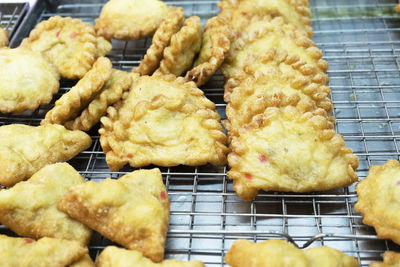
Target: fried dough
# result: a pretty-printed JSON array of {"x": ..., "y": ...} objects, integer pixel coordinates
[
  {"x": 3, "y": 37},
  {"x": 27, "y": 80},
  {"x": 379, "y": 200},
  {"x": 390, "y": 259},
  {"x": 118, "y": 257},
  {"x": 130, "y": 19},
  {"x": 132, "y": 211},
  {"x": 185, "y": 44},
  {"x": 278, "y": 253},
  {"x": 286, "y": 150},
  {"x": 26, "y": 149},
  {"x": 216, "y": 42},
  {"x": 163, "y": 121},
  {"x": 29, "y": 208},
  {"x": 161, "y": 39}
]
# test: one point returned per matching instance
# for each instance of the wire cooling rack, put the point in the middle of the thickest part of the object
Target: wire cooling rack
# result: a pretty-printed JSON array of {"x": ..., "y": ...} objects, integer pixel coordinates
[
  {"x": 11, "y": 14},
  {"x": 361, "y": 41}
]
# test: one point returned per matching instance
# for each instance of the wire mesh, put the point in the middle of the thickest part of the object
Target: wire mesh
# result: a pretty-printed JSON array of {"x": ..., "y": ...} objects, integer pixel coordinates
[
  {"x": 11, "y": 14},
  {"x": 361, "y": 41}
]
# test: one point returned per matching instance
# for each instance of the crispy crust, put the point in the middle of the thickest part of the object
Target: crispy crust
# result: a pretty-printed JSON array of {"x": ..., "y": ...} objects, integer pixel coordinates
[
  {"x": 274, "y": 89},
  {"x": 26, "y": 149},
  {"x": 161, "y": 39},
  {"x": 239, "y": 12},
  {"x": 68, "y": 106},
  {"x": 111, "y": 93},
  {"x": 184, "y": 45},
  {"x": 390, "y": 259},
  {"x": 261, "y": 36},
  {"x": 130, "y": 19},
  {"x": 85, "y": 261},
  {"x": 286, "y": 150},
  {"x": 29, "y": 215},
  {"x": 3, "y": 37},
  {"x": 379, "y": 198},
  {"x": 68, "y": 43},
  {"x": 45, "y": 252},
  {"x": 274, "y": 252},
  {"x": 216, "y": 42},
  {"x": 27, "y": 80},
  {"x": 112, "y": 256},
  {"x": 132, "y": 211},
  {"x": 168, "y": 127},
  {"x": 103, "y": 46}
]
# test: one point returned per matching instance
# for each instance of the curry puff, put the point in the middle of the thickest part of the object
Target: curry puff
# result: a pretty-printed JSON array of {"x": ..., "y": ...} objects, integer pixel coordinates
[
  {"x": 161, "y": 39},
  {"x": 29, "y": 208},
  {"x": 379, "y": 199},
  {"x": 3, "y": 37},
  {"x": 27, "y": 80},
  {"x": 131, "y": 19},
  {"x": 261, "y": 36},
  {"x": 216, "y": 42},
  {"x": 163, "y": 121},
  {"x": 26, "y": 149},
  {"x": 118, "y": 257},
  {"x": 70, "y": 44},
  {"x": 76, "y": 99},
  {"x": 390, "y": 259},
  {"x": 185, "y": 44},
  {"x": 277, "y": 253},
  {"x": 132, "y": 211},
  {"x": 25, "y": 252},
  {"x": 239, "y": 12},
  {"x": 287, "y": 150}
]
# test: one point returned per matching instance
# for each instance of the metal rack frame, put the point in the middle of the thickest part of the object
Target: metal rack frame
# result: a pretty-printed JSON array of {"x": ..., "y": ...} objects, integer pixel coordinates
[
  {"x": 11, "y": 14},
  {"x": 361, "y": 42}
]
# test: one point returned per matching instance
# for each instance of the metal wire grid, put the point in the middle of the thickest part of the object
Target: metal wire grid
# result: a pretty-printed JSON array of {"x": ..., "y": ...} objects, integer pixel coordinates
[
  {"x": 10, "y": 15},
  {"x": 361, "y": 42}
]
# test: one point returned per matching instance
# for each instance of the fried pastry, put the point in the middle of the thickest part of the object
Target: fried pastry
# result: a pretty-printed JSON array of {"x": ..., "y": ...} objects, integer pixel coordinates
[
  {"x": 390, "y": 259},
  {"x": 27, "y": 80},
  {"x": 216, "y": 42},
  {"x": 275, "y": 88},
  {"x": 26, "y": 149},
  {"x": 130, "y": 19},
  {"x": 68, "y": 43},
  {"x": 277, "y": 253},
  {"x": 132, "y": 211},
  {"x": 239, "y": 12},
  {"x": 3, "y": 37},
  {"x": 379, "y": 200},
  {"x": 103, "y": 46},
  {"x": 85, "y": 261},
  {"x": 111, "y": 92},
  {"x": 161, "y": 39},
  {"x": 259, "y": 37},
  {"x": 29, "y": 208},
  {"x": 72, "y": 102},
  {"x": 25, "y": 252},
  {"x": 112, "y": 256},
  {"x": 163, "y": 121},
  {"x": 286, "y": 150},
  {"x": 185, "y": 44}
]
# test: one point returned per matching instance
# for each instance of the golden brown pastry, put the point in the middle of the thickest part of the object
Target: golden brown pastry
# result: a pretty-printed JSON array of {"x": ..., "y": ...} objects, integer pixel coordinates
[
  {"x": 379, "y": 200},
  {"x": 68, "y": 43},
  {"x": 185, "y": 44},
  {"x": 163, "y": 121},
  {"x": 29, "y": 208},
  {"x": 76, "y": 99},
  {"x": 103, "y": 46},
  {"x": 84, "y": 261},
  {"x": 287, "y": 150},
  {"x": 390, "y": 259},
  {"x": 161, "y": 39},
  {"x": 130, "y": 19},
  {"x": 111, "y": 93},
  {"x": 3, "y": 37},
  {"x": 216, "y": 42},
  {"x": 27, "y": 80},
  {"x": 118, "y": 257},
  {"x": 132, "y": 211},
  {"x": 27, "y": 149},
  {"x": 25, "y": 252},
  {"x": 278, "y": 253}
]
